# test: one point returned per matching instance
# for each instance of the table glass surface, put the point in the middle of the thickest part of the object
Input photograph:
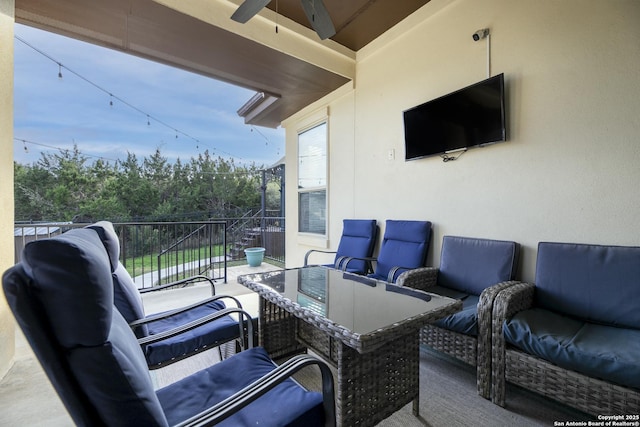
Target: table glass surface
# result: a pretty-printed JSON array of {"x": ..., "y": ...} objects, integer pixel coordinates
[{"x": 357, "y": 303}]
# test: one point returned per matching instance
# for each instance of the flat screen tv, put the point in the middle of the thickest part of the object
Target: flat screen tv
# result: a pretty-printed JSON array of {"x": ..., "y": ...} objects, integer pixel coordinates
[{"x": 469, "y": 117}]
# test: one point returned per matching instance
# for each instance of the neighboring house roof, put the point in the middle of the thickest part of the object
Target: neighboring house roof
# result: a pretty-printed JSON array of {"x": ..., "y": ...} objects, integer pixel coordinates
[{"x": 38, "y": 230}]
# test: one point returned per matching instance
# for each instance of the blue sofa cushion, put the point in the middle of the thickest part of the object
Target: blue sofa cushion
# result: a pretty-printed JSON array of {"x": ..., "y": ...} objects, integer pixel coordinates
[
  {"x": 358, "y": 239},
  {"x": 207, "y": 335},
  {"x": 72, "y": 277},
  {"x": 286, "y": 405},
  {"x": 471, "y": 265},
  {"x": 466, "y": 320},
  {"x": 405, "y": 244},
  {"x": 599, "y": 351},
  {"x": 590, "y": 282}
]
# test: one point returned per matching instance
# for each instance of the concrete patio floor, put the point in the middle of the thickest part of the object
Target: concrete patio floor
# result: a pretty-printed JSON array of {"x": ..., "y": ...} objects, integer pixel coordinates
[{"x": 27, "y": 398}]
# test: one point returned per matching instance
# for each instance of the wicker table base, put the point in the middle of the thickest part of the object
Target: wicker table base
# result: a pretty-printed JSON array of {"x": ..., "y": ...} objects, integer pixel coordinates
[
  {"x": 370, "y": 386},
  {"x": 378, "y": 369}
]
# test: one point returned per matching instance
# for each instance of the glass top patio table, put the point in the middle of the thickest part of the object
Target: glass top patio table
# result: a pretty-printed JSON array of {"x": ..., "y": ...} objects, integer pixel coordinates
[{"x": 357, "y": 310}]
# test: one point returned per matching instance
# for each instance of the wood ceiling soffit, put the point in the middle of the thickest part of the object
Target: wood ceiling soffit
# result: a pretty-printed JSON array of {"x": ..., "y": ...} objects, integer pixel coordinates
[{"x": 357, "y": 22}]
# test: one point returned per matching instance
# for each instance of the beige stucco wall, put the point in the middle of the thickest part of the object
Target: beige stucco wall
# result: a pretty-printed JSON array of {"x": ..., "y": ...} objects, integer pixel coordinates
[
  {"x": 7, "y": 328},
  {"x": 571, "y": 167}
]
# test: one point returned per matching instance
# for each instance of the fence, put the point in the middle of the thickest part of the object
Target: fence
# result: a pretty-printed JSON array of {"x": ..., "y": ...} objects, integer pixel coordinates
[
  {"x": 154, "y": 252},
  {"x": 254, "y": 230}
]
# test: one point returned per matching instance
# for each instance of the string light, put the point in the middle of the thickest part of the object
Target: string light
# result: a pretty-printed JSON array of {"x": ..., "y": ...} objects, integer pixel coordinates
[
  {"x": 25, "y": 142},
  {"x": 26, "y": 149},
  {"x": 111, "y": 96},
  {"x": 261, "y": 134},
  {"x": 122, "y": 101}
]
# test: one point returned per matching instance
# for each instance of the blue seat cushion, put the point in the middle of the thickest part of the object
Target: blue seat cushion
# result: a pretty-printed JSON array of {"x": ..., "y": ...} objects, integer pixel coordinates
[
  {"x": 466, "y": 320},
  {"x": 207, "y": 335},
  {"x": 286, "y": 405},
  {"x": 600, "y": 351},
  {"x": 590, "y": 282}
]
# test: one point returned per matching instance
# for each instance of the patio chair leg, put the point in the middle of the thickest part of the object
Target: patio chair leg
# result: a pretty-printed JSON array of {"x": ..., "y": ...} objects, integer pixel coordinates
[{"x": 416, "y": 407}]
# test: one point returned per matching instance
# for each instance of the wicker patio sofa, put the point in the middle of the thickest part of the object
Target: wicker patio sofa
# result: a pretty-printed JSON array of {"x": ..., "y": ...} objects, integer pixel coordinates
[
  {"x": 474, "y": 271},
  {"x": 574, "y": 336}
]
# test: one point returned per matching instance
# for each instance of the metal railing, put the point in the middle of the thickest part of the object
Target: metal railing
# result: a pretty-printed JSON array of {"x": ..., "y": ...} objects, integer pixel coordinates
[
  {"x": 154, "y": 252},
  {"x": 253, "y": 230},
  {"x": 273, "y": 238}
]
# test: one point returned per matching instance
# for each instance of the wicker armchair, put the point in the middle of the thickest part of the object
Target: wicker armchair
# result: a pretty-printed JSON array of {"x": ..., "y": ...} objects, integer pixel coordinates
[
  {"x": 474, "y": 271},
  {"x": 584, "y": 294}
]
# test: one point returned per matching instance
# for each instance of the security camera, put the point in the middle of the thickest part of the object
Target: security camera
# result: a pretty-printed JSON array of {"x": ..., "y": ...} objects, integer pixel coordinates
[{"x": 480, "y": 34}]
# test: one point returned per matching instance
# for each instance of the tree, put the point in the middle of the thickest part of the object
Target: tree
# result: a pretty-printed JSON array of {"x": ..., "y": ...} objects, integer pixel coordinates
[{"x": 61, "y": 187}]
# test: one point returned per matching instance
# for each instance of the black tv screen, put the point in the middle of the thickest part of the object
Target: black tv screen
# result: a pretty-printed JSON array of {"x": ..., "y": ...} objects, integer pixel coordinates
[{"x": 469, "y": 117}]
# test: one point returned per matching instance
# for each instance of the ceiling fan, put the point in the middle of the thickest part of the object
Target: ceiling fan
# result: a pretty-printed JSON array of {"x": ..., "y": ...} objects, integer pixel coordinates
[{"x": 314, "y": 9}]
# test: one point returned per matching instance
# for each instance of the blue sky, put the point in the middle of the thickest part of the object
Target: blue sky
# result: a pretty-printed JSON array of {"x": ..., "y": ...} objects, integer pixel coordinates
[{"x": 54, "y": 112}]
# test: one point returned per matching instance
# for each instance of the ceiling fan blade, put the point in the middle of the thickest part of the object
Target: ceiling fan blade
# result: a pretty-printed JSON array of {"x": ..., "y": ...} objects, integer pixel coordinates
[
  {"x": 248, "y": 10},
  {"x": 319, "y": 18}
]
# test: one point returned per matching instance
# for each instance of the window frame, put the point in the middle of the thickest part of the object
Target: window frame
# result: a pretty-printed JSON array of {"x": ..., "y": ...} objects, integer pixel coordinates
[{"x": 323, "y": 121}]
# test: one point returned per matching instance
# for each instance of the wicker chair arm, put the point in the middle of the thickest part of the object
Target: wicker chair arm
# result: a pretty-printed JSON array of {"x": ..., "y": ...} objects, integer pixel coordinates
[
  {"x": 485, "y": 312},
  {"x": 166, "y": 314},
  {"x": 487, "y": 301},
  {"x": 202, "y": 321},
  {"x": 508, "y": 302},
  {"x": 253, "y": 391},
  {"x": 514, "y": 298},
  {"x": 182, "y": 283},
  {"x": 419, "y": 278}
]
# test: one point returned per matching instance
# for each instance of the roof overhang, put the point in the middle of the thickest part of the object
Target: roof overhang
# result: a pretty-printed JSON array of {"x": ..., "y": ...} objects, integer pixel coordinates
[
  {"x": 198, "y": 36},
  {"x": 275, "y": 53}
]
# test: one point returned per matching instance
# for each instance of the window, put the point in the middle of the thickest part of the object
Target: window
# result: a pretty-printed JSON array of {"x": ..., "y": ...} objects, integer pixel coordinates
[{"x": 312, "y": 180}]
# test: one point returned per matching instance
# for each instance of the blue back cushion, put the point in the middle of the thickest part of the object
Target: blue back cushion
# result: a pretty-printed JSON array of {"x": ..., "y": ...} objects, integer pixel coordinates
[
  {"x": 71, "y": 275},
  {"x": 110, "y": 240},
  {"x": 595, "y": 283},
  {"x": 358, "y": 239},
  {"x": 405, "y": 244},
  {"x": 470, "y": 265},
  {"x": 127, "y": 299},
  {"x": 125, "y": 292}
]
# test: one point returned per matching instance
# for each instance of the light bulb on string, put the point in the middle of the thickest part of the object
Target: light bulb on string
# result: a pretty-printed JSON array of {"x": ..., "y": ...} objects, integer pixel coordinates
[
  {"x": 148, "y": 122},
  {"x": 110, "y": 100},
  {"x": 60, "y": 71}
]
